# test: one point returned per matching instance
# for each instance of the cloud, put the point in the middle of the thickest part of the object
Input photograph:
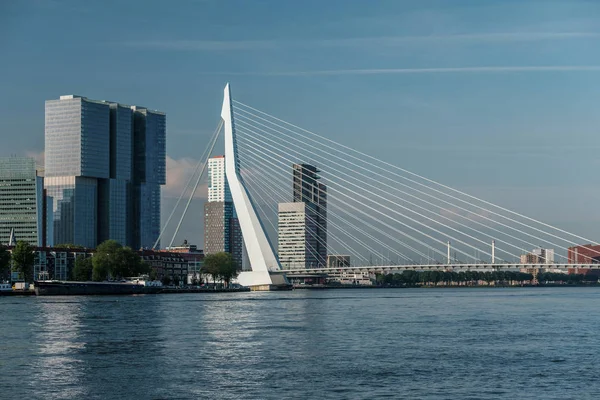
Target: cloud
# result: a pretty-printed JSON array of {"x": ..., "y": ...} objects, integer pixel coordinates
[
  {"x": 39, "y": 158},
  {"x": 442, "y": 70},
  {"x": 366, "y": 42},
  {"x": 179, "y": 172},
  {"x": 204, "y": 45}
]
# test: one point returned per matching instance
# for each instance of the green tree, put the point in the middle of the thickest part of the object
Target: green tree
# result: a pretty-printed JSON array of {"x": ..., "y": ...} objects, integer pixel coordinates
[
  {"x": 152, "y": 274},
  {"x": 106, "y": 257},
  {"x": 166, "y": 280},
  {"x": 23, "y": 259},
  {"x": 83, "y": 269},
  {"x": 222, "y": 266},
  {"x": 4, "y": 263},
  {"x": 111, "y": 260}
]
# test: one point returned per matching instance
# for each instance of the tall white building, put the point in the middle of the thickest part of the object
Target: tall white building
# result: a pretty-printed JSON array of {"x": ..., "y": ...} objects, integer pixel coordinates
[
  {"x": 221, "y": 227},
  {"x": 217, "y": 184},
  {"x": 545, "y": 256}
]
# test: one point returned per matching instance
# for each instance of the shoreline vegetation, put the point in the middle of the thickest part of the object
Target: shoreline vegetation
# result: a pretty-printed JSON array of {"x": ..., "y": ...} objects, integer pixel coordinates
[{"x": 434, "y": 279}]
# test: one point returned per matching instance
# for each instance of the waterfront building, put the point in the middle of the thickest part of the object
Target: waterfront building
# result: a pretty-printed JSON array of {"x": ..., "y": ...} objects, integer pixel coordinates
[
  {"x": 297, "y": 242},
  {"x": 538, "y": 256},
  {"x": 105, "y": 163},
  {"x": 166, "y": 264},
  {"x": 584, "y": 254},
  {"x": 302, "y": 224},
  {"x": 56, "y": 263},
  {"x": 222, "y": 231},
  {"x": 21, "y": 202}
]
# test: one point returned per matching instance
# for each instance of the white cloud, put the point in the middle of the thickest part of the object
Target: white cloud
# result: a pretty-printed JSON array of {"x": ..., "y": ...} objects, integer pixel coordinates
[
  {"x": 39, "y": 158},
  {"x": 366, "y": 42},
  {"x": 446, "y": 70},
  {"x": 179, "y": 172}
]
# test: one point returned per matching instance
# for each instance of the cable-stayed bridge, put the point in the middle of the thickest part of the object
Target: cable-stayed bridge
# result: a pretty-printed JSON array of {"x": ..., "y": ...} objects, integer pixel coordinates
[{"x": 384, "y": 217}]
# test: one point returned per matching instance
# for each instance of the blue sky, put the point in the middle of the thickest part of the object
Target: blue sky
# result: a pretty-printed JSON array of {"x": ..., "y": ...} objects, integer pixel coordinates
[{"x": 499, "y": 98}]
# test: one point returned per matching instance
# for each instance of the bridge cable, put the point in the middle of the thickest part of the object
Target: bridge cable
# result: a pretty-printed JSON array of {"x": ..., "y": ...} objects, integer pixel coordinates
[
  {"x": 399, "y": 231},
  {"x": 428, "y": 180},
  {"x": 185, "y": 188},
  {"x": 335, "y": 237},
  {"x": 351, "y": 225},
  {"x": 413, "y": 204},
  {"x": 206, "y": 157}
]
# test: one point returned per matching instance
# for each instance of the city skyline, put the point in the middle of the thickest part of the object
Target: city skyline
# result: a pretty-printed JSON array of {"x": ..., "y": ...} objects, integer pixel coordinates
[{"x": 502, "y": 89}]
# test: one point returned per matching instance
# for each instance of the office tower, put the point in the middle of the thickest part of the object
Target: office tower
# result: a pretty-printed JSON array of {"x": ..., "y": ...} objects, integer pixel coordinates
[
  {"x": 21, "y": 201},
  {"x": 221, "y": 227},
  {"x": 295, "y": 244},
  {"x": 312, "y": 220},
  {"x": 105, "y": 163},
  {"x": 150, "y": 172}
]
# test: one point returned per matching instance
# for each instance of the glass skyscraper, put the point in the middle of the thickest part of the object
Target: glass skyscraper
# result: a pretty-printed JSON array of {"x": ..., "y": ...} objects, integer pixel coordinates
[
  {"x": 21, "y": 201},
  {"x": 94, "y": 150},
  {"x": 149, "y": 173}
]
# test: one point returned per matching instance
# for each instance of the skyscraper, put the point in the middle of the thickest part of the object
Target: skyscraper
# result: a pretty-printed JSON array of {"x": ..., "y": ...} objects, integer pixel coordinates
[
  {"x": 21, "y": 201},
  {"x": 221, "y": 227},
  {"x": 150, "y": 172},
  {"x": 105, "y": 163},
  {"x": 302, "y": 224}
]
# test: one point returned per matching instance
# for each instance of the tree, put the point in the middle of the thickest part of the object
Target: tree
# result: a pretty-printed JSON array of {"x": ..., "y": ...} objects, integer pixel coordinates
[
  {"x": 23, "y": 259},
  {"x": 152, "y": 274},
  {"x": 4, "y": 262},
  {"x": 83, "y": 269},
  {"x": 166, "y": 280},
  {"x": 176, "y": 280},
  {"x": 113, "y": 260},
  {"x": 107, "y": 255},
  {"x": 220, "y": 265}
]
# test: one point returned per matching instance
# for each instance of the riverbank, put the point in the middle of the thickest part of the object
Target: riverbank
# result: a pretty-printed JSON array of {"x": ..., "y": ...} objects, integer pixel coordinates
[{"x": 546, "y": 285}]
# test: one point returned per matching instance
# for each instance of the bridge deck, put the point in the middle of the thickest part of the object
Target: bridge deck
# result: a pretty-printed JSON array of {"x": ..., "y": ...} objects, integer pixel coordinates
[{"x": 437, "y": 267}]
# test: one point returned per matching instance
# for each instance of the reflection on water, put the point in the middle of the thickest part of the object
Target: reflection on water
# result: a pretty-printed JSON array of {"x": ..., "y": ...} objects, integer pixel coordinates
[
  {"x": 56, "y": 368},
  {"x": 435, "y": 344}
]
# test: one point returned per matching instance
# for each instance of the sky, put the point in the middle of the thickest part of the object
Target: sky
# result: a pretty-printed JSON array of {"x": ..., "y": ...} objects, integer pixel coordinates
[{"x": 496, "y": 98}]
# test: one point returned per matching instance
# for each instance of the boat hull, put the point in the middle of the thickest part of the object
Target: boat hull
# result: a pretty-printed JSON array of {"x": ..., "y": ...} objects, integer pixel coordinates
[{"x": 63, "y": 288}]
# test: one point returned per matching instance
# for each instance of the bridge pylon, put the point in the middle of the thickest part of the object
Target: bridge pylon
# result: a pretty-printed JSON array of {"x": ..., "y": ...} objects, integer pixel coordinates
[{"x": 261, "y": 255}]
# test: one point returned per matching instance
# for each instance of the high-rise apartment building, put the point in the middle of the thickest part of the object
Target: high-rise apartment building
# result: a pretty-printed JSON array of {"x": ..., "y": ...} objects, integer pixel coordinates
[
  {"x": 21, "y": 201},
  {"x": 221, "y": 227},
  {"x": 105, "y": 163},
  {"x": 302, "y": 224}
]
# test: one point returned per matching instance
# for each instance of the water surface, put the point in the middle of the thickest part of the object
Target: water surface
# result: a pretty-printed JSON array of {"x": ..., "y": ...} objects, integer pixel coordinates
[{"x": 519, "y": 343}]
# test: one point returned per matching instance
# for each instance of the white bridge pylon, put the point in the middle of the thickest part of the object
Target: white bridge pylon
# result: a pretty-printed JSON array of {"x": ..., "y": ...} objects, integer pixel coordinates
[{"x": 260, "y": 252}]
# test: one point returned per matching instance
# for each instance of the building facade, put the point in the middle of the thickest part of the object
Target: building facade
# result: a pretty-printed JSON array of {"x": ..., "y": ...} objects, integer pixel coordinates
[
  {"x": 21, "y": 201},
  {"x": 302, "y": 224},
  {"x": 105, "y": 163},
  {"x": 166, "y": 264},
  {"x": 538, "y": 256},
  {"x": 584, "y": 254},
  {"x": 222, "y": 231}
]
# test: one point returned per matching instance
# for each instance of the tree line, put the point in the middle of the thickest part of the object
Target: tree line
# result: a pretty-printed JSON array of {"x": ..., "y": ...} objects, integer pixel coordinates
[
  {"x": 110, "y": 261},
  {"x": 471, "y": 278}
]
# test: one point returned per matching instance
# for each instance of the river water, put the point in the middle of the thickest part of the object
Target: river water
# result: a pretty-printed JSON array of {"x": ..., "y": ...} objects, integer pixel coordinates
[{"x": 519, "y": 343}]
